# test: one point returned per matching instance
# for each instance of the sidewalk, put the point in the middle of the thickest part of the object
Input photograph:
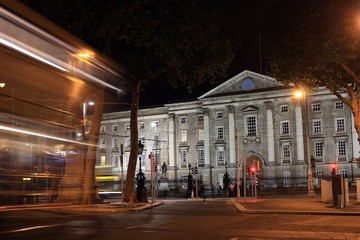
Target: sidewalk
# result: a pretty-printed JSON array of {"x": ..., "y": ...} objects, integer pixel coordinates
[{"x": 293, "y": 204}]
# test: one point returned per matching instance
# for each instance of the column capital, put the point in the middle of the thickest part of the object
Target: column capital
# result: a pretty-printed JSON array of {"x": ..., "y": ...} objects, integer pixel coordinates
[
  {"x": 269, "y": 105},
  {"x": 231, "y": 108},
  {"x": 171, "y": 115},
  {"x": 206, "y": 111}
]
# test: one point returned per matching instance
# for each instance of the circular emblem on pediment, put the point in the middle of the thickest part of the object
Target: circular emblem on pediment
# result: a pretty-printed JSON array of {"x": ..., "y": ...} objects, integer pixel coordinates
[{"x": 247, "y": 84}]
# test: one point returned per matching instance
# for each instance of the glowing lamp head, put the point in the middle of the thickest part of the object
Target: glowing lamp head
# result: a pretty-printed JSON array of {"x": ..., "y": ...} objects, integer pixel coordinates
[{"x": 299, "y": 94}]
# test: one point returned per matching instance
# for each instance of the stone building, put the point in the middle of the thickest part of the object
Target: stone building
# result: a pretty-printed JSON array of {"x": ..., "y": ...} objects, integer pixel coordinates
[{"x": 250, "y": 114}]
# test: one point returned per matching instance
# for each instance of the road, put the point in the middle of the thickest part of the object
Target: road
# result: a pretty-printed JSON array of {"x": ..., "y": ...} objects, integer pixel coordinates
[{"x": 214, "y": 219}]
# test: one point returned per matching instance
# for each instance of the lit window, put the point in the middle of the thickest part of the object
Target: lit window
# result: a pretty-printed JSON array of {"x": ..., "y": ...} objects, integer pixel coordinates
[
  {"x": 340, "y": 124},
  {"x": 284, "y": 108},
  {"x": 316, "y": 126},
  {"x": 285, "y": 127},
  {"x": 219, "y": 115},
  {"x": 200, "y": 134},
  {"x": 251, "y": 125},
  {"x": 219, "y": 132},
  {"x": 315, "y": 107},
  {"x": 183, "y": 120},
  {"x": 339, "y": 105},
  {"x": 102, "y": 160}
]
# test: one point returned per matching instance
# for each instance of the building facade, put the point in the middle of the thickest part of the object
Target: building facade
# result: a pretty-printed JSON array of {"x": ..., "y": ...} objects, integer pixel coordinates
[{"x": 251, "y": 119}]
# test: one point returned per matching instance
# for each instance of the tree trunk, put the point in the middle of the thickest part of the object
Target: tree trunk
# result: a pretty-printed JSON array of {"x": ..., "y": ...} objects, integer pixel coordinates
[
  {"x": 89, "y": 188},
  {"x": 130, "y": 176}
]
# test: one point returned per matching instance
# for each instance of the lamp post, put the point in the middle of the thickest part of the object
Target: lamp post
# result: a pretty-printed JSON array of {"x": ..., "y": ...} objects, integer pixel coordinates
[
  {"x": 85, "y": 122},
  {"x": 302, "y": 94},
  {"x": 226, "y": 179},
  {"x": 140, "y": 177}
]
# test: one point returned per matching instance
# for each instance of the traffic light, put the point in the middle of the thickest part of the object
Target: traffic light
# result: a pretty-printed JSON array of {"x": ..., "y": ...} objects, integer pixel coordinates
[
  {"x": 193, "y": 170},
  {"x": 333, "y": 169},
  {"x": 253, "y": 170}
]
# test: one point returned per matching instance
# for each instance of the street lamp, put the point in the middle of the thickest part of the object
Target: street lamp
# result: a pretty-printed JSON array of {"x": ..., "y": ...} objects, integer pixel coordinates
[
  {"x": 155, "y": 125},
  {"x": 87, "y": 127},
  {"x": 226, "y": 179},
  {"x": 140, "y": 177},
  {"x": 301, "y": 94}
]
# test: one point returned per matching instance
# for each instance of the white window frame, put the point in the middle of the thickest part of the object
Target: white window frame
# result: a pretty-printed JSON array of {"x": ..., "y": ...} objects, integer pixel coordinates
[
  {"x": 286, "y": 152},
  {"x": 318, "y": 149},
  {"x": 284, "y": 108},
  {"x": 339, "y": 128},
  {"x": 220, "y": 155},
  {"x": 184, "y": 157},
  {"x": 219, "y": 115},
  {"x": 247, "y": 126},
  {"x": 200, "y": 118},
  {"x": 142, "y": 126},
  {"x": 285, "y": 130},
  {"x": 201, "y": 156},
  {"x": 115, "y": 143},
  {"x": 341, "y": 149},
  {"x": 183, "y": 120},
  {"x": 220, "y": 133},
  {"x": 338, "y": 105},
  {"x": 316, "y": 126},
  {"x": 102, "y": 160},
  {"x": 115, "y": 128},
  {"x": 316, "y": 107}
]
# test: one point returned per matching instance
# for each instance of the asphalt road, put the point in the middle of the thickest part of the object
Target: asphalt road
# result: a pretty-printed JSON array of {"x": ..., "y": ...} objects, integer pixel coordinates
[{"x": 215, "y": 219}]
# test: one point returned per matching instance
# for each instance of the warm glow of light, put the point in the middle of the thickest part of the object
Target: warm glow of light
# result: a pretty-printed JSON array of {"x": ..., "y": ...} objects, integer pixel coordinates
[
  {"x": 30, "y": 54},
  {"x": 26, "y": 179},
  {"x": 86, "y": 55},
  {"x": 299, "y": 94},
  {"x": 2, "y": 85}
]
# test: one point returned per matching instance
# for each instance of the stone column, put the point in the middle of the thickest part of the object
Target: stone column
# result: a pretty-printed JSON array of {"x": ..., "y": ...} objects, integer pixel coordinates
[
  {"x": 354, "y": 135},
  {"x": 172, "y": 131},
  {"x": 300, "y": 151},
  {"x": 231, "y": 110},
  {"x": 206, "y": 137},
  {"x": 270, "y": 132}
]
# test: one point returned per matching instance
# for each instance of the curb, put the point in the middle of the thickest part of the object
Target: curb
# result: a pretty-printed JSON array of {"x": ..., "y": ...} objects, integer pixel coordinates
[{"x": 242, "y": 209}]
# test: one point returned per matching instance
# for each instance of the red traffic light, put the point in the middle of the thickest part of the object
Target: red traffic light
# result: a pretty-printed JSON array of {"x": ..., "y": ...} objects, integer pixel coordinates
[
  {"x": 333, "y": 171},
  {"x": 252, "y": 169}
]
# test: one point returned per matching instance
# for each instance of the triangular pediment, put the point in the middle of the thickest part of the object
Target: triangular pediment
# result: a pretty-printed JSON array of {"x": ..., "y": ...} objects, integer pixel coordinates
[
  {"x": 244, "y": 82},
  {"x": 250, "y": 109}
]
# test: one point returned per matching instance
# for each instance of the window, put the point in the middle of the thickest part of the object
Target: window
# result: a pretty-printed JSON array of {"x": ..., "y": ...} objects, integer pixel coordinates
[
  {"x": 142, "y": 126},
  {"x": 127, "y": 127},
  {"x": 219, "y": 115},
  {"x": 200, "y": 118},
  {"x": 115, "y": 128},
  {"x": 220, "y": 156},
  {"x": 201, "y": 157},
  {"x": 102, "y": 129},
  {"x": 284, "y": 127},
  {"x": 182, "y": 120},
  {"x": 315, "y": 107},
  {"x": 286, "y": 152},
  {"x": 284, "y": 108},
  {"x": 343, "y": 172},
  {"x": 155, "y": 124},
  {"x": 183, "y": 136},
  {"x": 184, "y": 159},
  {"x": 339, "y": 105},
  {"x": 200, "y": 134},
  {"x": 115, "y": 143},
  {"x": 340, "y": 124},
  {"x": 341, "y": 148},
  {"x": 318, "y": 149},
  {"x": 116, "y": 160},
  {"x": 219, "y": 132},
  {"x": 102, "y": 143},
  {"x": 316, "y": 126},
  {"x": 102, "y": 160},
  {"x": 250, "y": 125}
]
